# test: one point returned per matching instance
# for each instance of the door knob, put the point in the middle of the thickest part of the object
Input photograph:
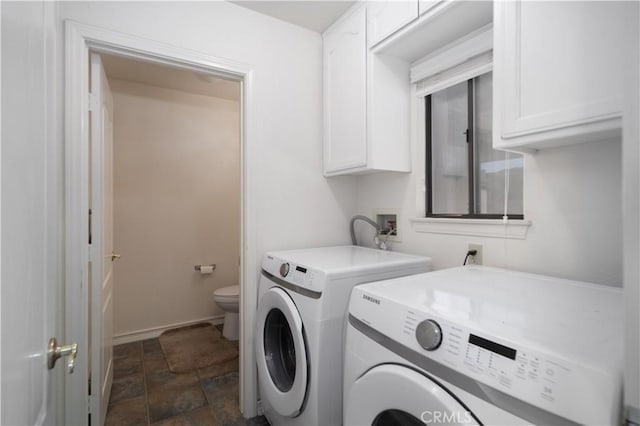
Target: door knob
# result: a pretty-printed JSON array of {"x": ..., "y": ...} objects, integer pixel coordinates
[
  {"x": 114, "y": 256},
  {"x": 55, "y": 352}
]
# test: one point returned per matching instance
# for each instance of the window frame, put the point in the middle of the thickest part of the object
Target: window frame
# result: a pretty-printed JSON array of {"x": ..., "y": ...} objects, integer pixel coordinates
[{"x": 471, "y": 163}]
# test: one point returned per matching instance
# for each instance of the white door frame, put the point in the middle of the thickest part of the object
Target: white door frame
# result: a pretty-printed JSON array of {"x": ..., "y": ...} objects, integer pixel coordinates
[{"x": 79, "y": 40}]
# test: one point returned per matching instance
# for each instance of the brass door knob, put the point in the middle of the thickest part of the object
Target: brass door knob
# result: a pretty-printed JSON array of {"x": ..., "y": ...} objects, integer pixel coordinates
[
  {"x": 114, "y": 256},
  {"x": 56, "y": 352}
]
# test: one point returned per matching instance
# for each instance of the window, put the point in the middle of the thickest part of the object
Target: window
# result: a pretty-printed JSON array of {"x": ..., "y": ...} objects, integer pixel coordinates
[{"x": 465, "y": 176}]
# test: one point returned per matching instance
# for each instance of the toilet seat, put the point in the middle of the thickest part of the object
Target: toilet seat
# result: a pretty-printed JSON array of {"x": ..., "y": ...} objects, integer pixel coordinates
[{"x": 228, "y": 294}]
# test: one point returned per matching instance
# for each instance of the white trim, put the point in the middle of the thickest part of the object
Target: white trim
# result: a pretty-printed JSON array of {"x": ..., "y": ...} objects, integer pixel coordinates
[
  {"x": 492, "y": 228},
  {"x": 79, "y": 38},
  {"x": 153, "y": 332},
  {"x": 471, "y": 69},
  {"x": 453, "y": 54},
  {"x": 1, "y": 194},
  {"x": 456, "y": 62}
]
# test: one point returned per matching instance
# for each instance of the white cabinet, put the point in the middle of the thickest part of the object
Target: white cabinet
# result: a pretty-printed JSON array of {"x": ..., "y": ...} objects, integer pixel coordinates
[
  {"x": 426, "y": 5},
  {"x": 345, "y": 88},
  {"x": 558, "y": 69},
  {"x": 388, "y": 16},
  {"x": 366, "y": 103}
]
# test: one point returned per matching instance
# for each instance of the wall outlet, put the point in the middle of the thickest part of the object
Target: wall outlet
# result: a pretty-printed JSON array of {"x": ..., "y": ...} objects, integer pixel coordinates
[{"x": 477, "y": 259}]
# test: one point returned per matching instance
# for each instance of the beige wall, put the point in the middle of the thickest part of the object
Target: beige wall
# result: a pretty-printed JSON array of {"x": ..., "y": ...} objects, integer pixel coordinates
[{"x": 176, "y": 204}]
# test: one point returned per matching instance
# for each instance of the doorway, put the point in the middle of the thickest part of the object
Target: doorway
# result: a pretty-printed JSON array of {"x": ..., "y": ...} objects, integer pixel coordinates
[
  {"x": 81, "y": 40},
  {"x": 175, "y": 201}
]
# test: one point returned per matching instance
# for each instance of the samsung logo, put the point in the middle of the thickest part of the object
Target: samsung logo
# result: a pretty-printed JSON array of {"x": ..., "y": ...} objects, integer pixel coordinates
[{"x": 371, "y": 299}]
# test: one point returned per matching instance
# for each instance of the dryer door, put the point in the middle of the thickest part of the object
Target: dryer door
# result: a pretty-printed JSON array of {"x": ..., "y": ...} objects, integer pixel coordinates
[
  {"x": 391, "y": 394},
  {"x": 281, "y": 353}
]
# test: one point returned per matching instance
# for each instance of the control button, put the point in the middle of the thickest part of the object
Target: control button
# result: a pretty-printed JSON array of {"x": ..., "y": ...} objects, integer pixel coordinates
[
  {"x": 429, "y": 335},
  {"x": 284, "y": 269}
]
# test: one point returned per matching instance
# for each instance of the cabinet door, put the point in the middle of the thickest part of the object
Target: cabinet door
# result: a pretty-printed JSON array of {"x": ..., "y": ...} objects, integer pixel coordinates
[
  {"x": 426, "y": 5},
  {"x": 345, "y": 70},
  {"x": 388, "y": 16},
  {"x": 557, "y": 68}
]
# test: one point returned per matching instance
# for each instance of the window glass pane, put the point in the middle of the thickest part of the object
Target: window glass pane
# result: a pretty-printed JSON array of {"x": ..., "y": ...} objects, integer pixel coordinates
[
  {"x": 490, "y": 165},
  {"x": 449, "y": 153}
]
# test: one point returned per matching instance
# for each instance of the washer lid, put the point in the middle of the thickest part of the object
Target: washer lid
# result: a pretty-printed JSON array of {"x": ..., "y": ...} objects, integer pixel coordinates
[
  {"x": 391, "y": 394},
  {"x": 281, "y": 353}
]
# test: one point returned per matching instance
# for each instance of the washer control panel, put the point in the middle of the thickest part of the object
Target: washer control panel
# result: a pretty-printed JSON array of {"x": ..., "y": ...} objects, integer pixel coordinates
[
  {"x": 524, "y": 372},
  {"x": 298, "y": 275}
]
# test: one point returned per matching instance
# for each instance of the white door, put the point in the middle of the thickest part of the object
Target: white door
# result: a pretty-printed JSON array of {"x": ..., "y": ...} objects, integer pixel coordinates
[
  {"x": 31, "y": 206},
  {"x": 102, "y": 255}
]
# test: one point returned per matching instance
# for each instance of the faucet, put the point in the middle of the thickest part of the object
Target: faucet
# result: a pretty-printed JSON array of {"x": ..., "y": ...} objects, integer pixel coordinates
[{"x": 382, "y": 245}]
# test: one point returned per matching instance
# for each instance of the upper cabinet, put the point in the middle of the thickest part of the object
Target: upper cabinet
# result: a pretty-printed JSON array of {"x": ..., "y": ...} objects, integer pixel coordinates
[
  {"x": 558, "y": 72},
  {"x": 366, "y": 102},
  {"x": 345, "y": 94},
  {"x": 387, "y": 16},
  {"x": 426, "y": 5}
]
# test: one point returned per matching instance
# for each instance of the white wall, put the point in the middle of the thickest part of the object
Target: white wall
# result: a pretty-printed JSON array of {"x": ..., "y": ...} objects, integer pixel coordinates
[
  {"x": 298, "y": 206},
  {"x": 572, "y": 196},
  {"x": 176, "y": 204},
  {"x": 293, "y": 205}
]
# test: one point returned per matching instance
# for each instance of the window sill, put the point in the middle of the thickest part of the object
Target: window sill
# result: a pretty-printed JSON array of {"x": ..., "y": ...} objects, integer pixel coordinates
[{"x": 492, "y": 228}]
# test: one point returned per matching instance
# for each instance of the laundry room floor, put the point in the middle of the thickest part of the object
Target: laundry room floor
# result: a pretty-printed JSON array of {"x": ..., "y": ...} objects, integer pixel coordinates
[{"x": 145, "y": 392}]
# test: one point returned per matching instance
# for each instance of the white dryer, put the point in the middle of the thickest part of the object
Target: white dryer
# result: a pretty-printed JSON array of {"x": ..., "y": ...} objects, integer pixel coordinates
[
  {"x": 479, "y": 345},
  {"x": 303, "y": 297}
]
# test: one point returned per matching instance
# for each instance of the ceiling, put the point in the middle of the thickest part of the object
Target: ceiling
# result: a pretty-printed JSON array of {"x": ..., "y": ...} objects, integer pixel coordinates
[
  {"x": 316, "y": 15},
  {"x": 119, "y": 68}
]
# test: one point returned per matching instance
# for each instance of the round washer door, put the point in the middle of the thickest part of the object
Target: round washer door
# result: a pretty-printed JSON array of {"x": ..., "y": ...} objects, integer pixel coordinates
[
  {"x": 391, "y": 394},
  {"x": 281, "y": 353}
]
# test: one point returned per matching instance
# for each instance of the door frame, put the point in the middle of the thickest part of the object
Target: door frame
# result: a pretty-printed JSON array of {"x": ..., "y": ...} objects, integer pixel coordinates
[{"x": 80, "y": 39}]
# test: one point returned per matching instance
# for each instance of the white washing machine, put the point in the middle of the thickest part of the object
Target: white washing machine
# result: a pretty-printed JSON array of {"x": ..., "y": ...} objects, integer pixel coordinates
[
  {"x": 478, "y": 345},
  {"x": 303, "y": 297}
]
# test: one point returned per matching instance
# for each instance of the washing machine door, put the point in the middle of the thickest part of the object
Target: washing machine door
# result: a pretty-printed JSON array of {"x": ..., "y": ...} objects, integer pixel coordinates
[
  {"x": 391, "y": 394},
  {"x": 281, "y": 353}
]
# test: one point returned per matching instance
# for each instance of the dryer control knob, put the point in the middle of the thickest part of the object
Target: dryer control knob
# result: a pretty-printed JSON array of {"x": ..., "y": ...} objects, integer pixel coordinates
[
  {"x": 284, "y": 269},
  {"x": 429, "y": 334}
]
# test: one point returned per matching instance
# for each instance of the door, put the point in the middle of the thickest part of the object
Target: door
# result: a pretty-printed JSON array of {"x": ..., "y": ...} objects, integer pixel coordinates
[
  {"x": 30, "y": 226},
  {"x": 101, "y": 239},
  {"x": 390, "y": 394},
  {"x": 281, "y": 353}
]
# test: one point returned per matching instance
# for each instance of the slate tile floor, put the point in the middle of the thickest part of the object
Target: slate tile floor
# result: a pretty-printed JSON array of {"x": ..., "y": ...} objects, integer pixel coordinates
[{"x": 145, "y": 392}]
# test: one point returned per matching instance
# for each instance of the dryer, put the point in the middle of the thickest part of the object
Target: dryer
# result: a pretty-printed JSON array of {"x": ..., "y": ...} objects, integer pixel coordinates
[
  {"x": 303, "y": 296},
  {"x": 479, "y": 345}
]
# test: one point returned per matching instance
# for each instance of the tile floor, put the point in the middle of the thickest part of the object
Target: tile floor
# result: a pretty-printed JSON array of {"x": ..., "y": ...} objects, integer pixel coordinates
[{"x": 145, "y": 392}]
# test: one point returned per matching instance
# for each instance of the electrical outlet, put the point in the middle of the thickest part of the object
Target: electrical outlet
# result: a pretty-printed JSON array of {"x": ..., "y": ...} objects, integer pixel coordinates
[{"x": 477, "y": 259}]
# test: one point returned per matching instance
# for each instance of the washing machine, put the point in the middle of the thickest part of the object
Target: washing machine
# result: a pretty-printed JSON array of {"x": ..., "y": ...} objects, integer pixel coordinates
[
  {"x": 303, "y": 296},
  {"x": 478, "y": 345}
]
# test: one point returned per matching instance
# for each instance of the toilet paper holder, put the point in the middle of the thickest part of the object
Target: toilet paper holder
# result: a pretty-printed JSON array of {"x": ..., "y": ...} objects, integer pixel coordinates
[{"x": 199, "y": 267}]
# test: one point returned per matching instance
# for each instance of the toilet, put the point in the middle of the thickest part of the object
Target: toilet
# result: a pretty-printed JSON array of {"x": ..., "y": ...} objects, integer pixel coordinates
[{"x": 228, "y": 299}]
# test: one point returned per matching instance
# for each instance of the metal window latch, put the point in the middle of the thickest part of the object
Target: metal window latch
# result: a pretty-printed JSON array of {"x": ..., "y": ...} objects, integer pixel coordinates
[{"x": 55, "y": 352}]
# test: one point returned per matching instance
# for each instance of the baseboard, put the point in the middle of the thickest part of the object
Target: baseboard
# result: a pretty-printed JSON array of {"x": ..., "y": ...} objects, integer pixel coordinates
[{"x": 152, "y": 333}]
